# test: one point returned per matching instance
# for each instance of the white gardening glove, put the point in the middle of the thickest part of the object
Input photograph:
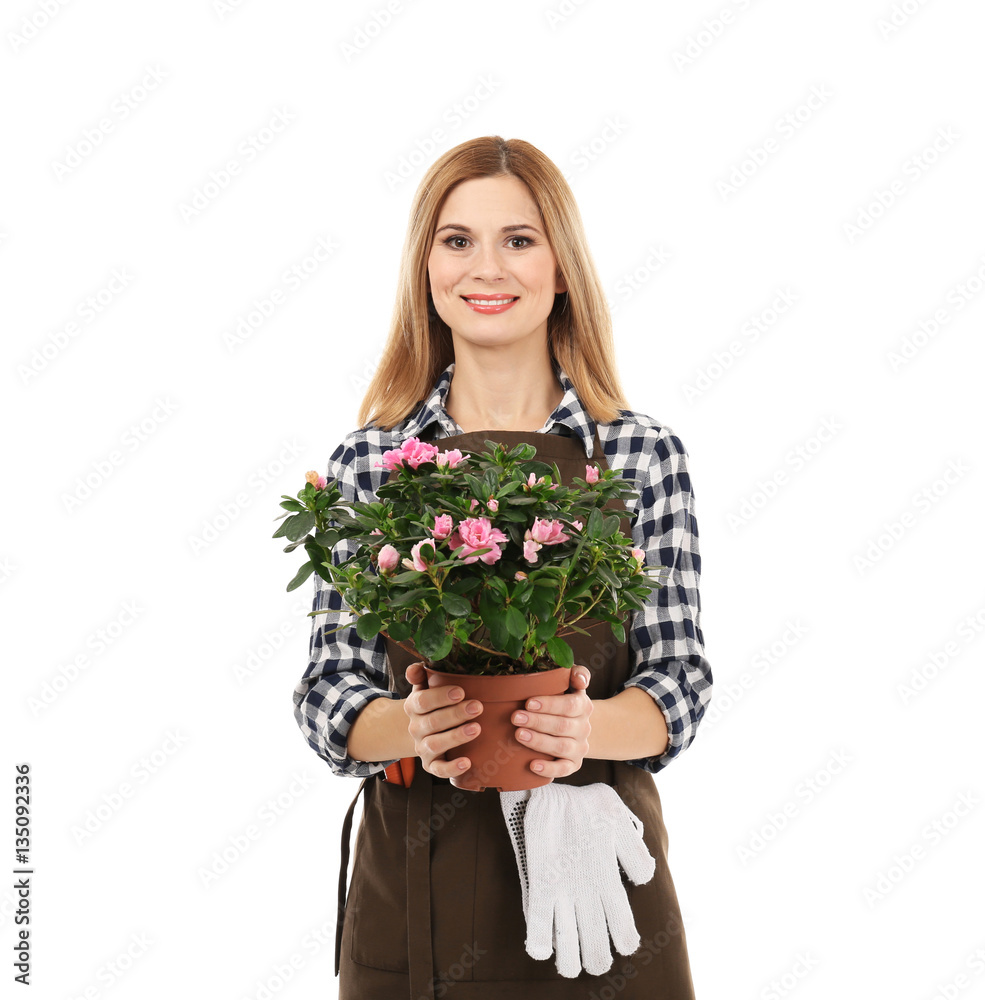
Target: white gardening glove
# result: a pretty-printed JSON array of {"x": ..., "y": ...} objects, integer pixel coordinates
[{"x": 569, "y": 841}]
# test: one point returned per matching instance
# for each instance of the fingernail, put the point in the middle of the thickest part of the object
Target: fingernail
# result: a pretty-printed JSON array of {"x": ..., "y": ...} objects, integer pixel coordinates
[
  {"x": 456, "y": 694},
  {"x": 523, "y": 735},
  {"x": 472, "y": 707},
  {"x": 521, "y": 718},
  {"x": 538, "y": 766},
  {"x": 533, "y": 705}
]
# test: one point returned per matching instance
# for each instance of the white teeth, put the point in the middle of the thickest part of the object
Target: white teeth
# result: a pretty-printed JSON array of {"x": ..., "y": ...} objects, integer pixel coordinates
[{"x": 492, "y": 302}]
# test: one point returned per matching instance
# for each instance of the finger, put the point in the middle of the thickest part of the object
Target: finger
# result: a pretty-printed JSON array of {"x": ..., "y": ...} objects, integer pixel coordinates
[
  {"x": 631, "y": 852},
  {"x": 622, "y": 925},
  {"x": 432, "y": 698},
  {"x": 580, "y": 676},
  {"x": 566, "y": 958},
  {"x": 593, "y": 935},
  {"x": 416, "y": 676},
  {"x": 540, "y": 922},
  {"x": 567, "y": 706},
  {"x": 553, "y": 704}
]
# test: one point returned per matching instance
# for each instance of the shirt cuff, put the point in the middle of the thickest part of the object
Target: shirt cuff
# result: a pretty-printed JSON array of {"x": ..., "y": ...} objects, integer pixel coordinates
[
  {"x": 334, "y": 748},
  {"x": 668, "y": 696}
]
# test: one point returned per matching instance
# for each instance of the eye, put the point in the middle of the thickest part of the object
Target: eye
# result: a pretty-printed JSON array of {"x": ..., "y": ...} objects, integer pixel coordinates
[{"x": 525, "y": 241}]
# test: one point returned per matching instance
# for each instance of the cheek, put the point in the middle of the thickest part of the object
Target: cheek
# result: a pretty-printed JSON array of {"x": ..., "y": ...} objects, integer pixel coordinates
[{"x": 443, "y": 280}]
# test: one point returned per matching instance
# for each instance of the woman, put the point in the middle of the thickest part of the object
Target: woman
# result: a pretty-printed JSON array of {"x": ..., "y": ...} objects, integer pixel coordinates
[{"x": 502, "y": 331}]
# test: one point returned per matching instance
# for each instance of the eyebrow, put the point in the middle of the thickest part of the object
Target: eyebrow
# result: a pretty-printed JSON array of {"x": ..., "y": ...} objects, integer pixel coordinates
[{"x": 505, "y": 229}]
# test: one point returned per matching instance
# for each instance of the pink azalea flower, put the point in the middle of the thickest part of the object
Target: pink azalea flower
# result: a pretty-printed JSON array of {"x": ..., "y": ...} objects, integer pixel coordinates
[
  {"x": 411, "y": 453},
  {"x": 450, "y": 458},
  {"x": 577, "y": 524},
  {"x": 519, "y": 575},
  {"x": 388, "y": 558},
  {"x": 416, "y": 560},
  {"x": 546, "y": 532},
  {"x": 531, "y": 482},
  {"x": 442, "y": 526},
  {"x": 473, "y": 504},
  {"x": 493, "y": 504},
  {"x": 530, "y": 548},
  {"x": 376, "y": 531},
  {"x": 478, "y": 533},
  {"x": 640, "y": 556},
  {"x": 591, "y": 474}
]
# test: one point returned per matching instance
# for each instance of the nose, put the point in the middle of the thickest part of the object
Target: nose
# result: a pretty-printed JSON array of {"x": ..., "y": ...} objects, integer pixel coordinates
[{"x": 487, "y": 265}]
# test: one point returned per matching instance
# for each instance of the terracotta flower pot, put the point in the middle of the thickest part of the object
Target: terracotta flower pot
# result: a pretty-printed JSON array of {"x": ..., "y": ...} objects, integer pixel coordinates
[{"x": 499, "y": 759}]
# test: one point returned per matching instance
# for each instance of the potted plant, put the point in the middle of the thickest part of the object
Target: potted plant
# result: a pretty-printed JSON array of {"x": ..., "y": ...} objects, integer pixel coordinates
[{"x": 480, "y": 566}]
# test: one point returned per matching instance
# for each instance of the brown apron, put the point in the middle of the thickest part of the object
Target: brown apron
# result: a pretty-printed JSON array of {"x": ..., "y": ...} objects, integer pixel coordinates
[{"x": 435, "y": 907}]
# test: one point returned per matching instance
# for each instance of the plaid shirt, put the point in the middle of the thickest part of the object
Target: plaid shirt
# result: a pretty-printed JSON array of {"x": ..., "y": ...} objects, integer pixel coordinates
[{"x": 345, "y": 673}]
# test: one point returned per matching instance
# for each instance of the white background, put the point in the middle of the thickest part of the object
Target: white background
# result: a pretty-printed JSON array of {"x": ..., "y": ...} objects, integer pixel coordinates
[{"x": 836, "y": 458}]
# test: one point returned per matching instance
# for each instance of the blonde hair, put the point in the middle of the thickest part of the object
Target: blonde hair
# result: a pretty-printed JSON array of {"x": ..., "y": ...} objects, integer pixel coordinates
[{"x": 579, "y": 328}]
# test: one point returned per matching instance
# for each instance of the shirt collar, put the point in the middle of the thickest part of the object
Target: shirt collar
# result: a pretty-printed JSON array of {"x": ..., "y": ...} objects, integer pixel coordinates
[{"x": 568, "y": 412}]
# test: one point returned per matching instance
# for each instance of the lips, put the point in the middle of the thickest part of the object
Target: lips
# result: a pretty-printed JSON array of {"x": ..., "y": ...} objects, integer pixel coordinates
[{"x": 490, "y": 305}]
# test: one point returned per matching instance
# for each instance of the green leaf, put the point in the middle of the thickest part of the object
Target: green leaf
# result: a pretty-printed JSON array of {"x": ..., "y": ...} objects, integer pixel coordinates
[
  {"x": 321, "y": 568},
  {"x": 299, "y": 525},
  {"x": 546, "y": 629},
  {"x": 513, "y": 516},
  {"x": 368, "y": 625},
  {"x": 399, "y": 631},
  {"x": 579, "y": 589},
  {"x": 541, "y": 604},
  {"x": 577, "y": 628},
  {"x": 560, "y": 652},
  {"x": 430, "y": 636},
  {"x": 609, "y": 527},
  {"x": 455, "y": 605},
  {"x": 493, "y": 615},
  {"x": 618, "y": 632},
  {"x": 609, "y": 577},
  {"x": 283, "y": 527},
  {"x": 516, "y": 623},
  {"x": 513, "y": 646},
  {"x": 408, "y": 597},
  {"x": 594, "y": 525},
  {"x": 293, "y": 505},
  {"x": 302, "y": 574}
]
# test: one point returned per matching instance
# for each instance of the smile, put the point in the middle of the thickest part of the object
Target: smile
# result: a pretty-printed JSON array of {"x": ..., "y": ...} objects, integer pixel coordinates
[{"x": 490, "y": 304}]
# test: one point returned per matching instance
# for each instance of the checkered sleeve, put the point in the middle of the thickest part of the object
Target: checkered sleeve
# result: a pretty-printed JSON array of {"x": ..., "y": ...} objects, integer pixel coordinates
[
  {"x": 344, "y": 673},
  {"x": 665, "y": 636}
]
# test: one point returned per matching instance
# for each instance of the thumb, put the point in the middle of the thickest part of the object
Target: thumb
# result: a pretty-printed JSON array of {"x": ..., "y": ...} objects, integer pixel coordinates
[
  {"x": 580, "y": 676},
  {"x": 415, "y": 675}
]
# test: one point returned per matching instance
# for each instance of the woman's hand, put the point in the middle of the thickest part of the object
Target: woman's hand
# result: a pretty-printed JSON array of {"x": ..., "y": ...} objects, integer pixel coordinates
[
  {"x": 439, "y": 721},
  {"x": 558, "y": 726}
]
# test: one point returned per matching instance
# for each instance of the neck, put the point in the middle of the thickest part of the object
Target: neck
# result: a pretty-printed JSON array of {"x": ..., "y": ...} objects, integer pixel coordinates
[{"x": 502, "y": 392}]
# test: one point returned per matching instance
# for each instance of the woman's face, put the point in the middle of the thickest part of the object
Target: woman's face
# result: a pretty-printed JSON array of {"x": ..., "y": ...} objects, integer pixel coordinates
[{"x": 489, "y": 243}]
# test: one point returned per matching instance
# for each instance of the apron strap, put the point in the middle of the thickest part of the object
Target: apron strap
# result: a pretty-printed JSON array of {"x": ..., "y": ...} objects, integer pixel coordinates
[
  {"x": 419, "y": 947},
  {"x": 343, "y": 872}
]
